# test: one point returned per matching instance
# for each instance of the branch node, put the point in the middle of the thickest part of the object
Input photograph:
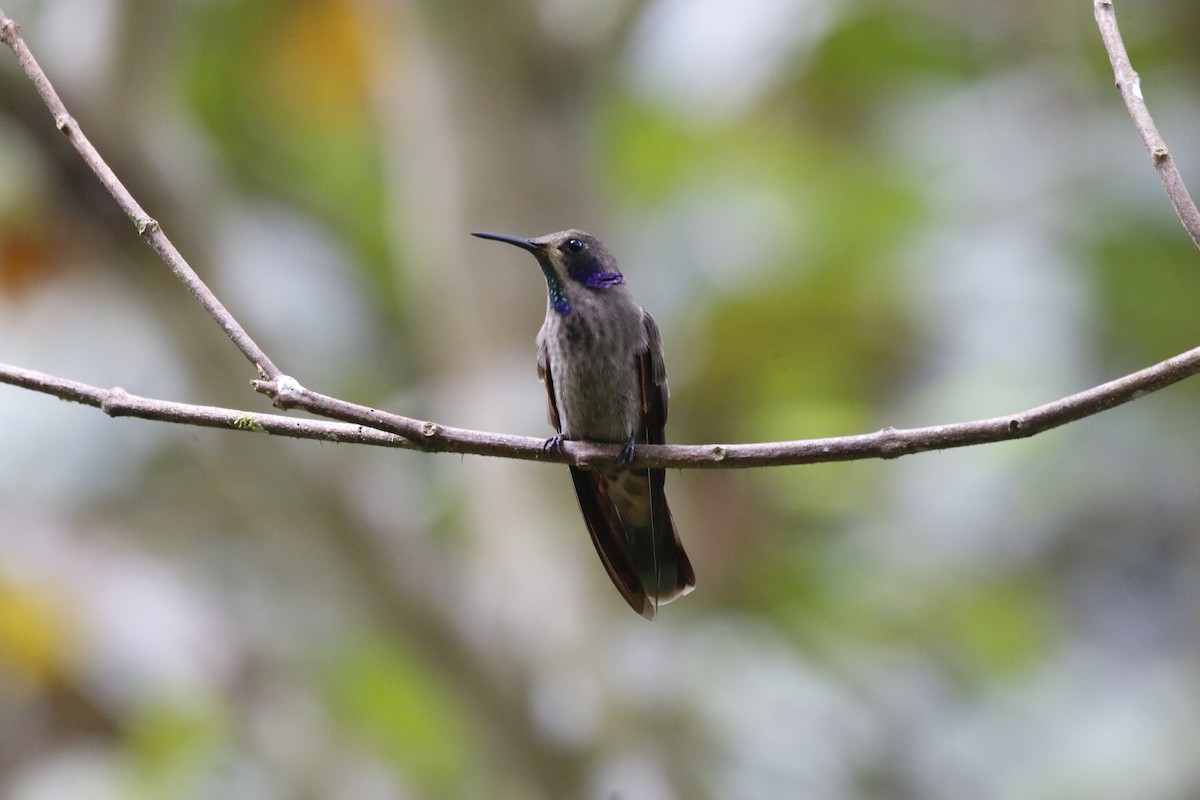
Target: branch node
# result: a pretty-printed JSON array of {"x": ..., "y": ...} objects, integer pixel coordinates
[
  {"x": 115, "y": 403},
  {"x": 285, "y": 391},
  {"x": 65, "y": 123},
  {"x": 719, "y": 453},
  {"x": 288, "y": 391},
  {"x": 1014, "y": 425},
  {"x": 146, "y": 226},
  {"x": 430, "y": 429},
  {"x": 1160, "y": 155},
  {"x": 891, "y": 443},
  {"x": 10, "y": 31}
]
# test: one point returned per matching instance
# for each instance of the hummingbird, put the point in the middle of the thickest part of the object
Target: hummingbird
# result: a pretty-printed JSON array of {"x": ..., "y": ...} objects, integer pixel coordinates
[{"x": 600, "y": 356}]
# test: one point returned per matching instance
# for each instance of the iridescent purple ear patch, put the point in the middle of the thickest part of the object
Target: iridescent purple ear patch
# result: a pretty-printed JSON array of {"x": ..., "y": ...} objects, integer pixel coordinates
[{"x": 602, "y": 280}]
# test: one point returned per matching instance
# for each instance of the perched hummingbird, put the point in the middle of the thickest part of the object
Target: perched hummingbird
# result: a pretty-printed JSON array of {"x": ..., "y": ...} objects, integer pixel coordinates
[{"x": 600, "y": 355}]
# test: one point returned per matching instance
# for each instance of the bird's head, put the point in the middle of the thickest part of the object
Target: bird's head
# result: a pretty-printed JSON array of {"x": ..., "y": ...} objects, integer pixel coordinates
[{"x": 569, "y": 259}]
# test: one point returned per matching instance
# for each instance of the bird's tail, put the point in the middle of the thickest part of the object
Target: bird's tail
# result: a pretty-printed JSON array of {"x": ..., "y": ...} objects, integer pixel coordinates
[{"x": 630, "y": 522}]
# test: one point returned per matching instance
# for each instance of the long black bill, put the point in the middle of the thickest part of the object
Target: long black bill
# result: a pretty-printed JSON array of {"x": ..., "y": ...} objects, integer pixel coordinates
[{"x": 519, "y": 241}]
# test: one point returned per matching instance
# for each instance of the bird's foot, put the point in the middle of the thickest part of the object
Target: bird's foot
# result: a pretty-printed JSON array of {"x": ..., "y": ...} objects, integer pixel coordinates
[
  {"x": 626, "y": 454},
  {"x": 555, "y": 443}
]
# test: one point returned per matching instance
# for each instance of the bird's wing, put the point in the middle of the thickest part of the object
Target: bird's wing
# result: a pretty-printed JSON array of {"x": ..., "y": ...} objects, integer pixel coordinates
[
  {"x": 543, "y": 367},
  {"x": 654, "y": 385},
  {"x": 673, "y": 575}
]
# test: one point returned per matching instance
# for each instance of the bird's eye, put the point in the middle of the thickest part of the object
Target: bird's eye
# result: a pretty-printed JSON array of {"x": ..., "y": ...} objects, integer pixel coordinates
[{"x": 576, "y": 245}]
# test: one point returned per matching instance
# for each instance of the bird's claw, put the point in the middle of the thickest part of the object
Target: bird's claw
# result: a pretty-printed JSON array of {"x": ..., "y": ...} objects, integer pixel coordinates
[
  {"x": 626, "y": 454},
  {"x": 554, "y": 443}
]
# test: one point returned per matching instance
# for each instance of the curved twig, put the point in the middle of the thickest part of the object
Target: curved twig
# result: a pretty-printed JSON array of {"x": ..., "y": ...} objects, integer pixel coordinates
[
  {"x": 1130, "y": 85},
  {"x": 371, "y": 426},
  {"x": 364, "y": 425},
  {"x": 147, "y": 227}
]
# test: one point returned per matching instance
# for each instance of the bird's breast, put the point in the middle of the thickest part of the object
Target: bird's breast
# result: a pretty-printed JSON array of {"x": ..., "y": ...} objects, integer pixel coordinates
[{"x": 594, "y": 365}]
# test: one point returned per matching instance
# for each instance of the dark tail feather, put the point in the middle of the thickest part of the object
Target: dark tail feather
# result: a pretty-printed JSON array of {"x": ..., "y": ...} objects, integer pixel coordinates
[{"x": 631, "y": 526}]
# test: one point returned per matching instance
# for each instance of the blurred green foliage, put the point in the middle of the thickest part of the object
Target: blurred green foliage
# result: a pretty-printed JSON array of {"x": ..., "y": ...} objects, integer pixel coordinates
[
  {"x": 389, "y": 699},
  {"x": 922, "y": 210},
  {"x": 282, "y": 89}
]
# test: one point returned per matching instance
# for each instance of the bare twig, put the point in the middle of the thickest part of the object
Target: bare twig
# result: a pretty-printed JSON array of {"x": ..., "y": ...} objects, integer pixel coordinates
[
  {"x": 117, "y": 402},
  {"x": 1130, "y": 85},
  {"x": 147, "y": 227},
  {"x": 370, "y": 426},
  {"x": 286, "y": 392},
  {"x": 887, "y": 443}
]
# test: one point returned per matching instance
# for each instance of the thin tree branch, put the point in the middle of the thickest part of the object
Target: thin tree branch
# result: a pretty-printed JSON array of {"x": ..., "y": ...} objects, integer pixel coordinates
[
  {"x": 117, "y": 402},
  {"x": 886, "y": 443},
  {"x": 147, "y": 227},
  {"x": 1130, "y": 85},
  {"x": 370, "y": 426}
]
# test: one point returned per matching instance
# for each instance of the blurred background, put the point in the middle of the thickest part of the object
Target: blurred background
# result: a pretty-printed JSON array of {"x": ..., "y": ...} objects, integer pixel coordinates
[{"x": 844, "y": 214}]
